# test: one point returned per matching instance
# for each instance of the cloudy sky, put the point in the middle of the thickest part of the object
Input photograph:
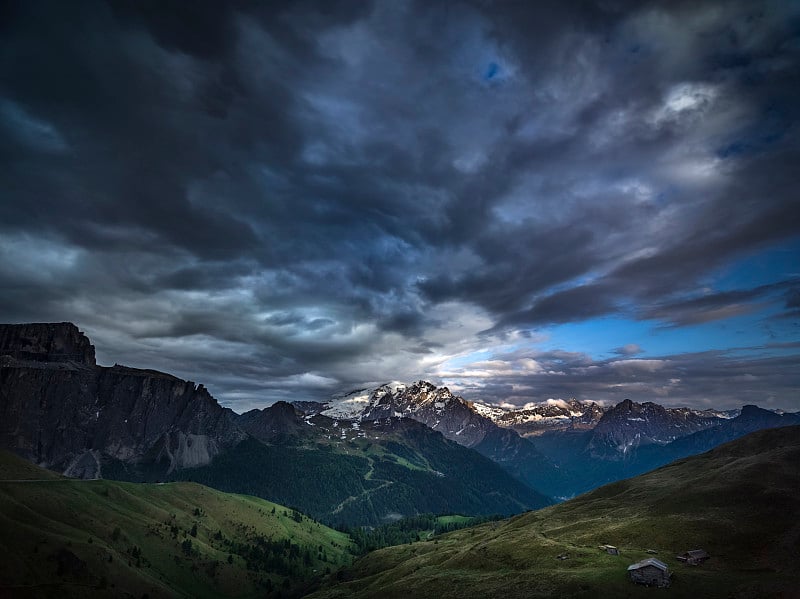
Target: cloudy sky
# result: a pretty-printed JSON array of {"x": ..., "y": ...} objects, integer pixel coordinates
[{"x": 521, "y": 200}]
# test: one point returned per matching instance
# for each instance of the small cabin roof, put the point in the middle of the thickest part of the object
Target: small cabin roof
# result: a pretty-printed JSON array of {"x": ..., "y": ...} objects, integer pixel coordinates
[
  {"x": 650, "y": 561},
  {"x": 697, "y": 553}
]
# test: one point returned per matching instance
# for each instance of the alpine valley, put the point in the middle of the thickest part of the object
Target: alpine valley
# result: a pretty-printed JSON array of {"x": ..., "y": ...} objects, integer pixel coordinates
[{"x": 386, "y": 459}]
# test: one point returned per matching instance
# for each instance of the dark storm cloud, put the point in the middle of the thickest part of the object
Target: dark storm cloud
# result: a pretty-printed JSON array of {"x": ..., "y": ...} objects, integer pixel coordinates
[
  {"x": 716, "y": 306},
  {"x": 292, "y": 197},
  {"x": 576, "y": 303}
]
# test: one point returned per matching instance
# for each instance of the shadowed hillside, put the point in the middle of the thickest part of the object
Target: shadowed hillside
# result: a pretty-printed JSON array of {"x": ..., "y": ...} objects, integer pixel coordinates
[
  {"x": 72, "y": 538},
  {"x": 739, "y": 501}
]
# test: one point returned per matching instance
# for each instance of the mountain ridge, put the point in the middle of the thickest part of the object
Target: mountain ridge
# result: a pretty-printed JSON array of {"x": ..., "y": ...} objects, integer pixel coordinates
[
  {"x": 457, "y": 420},
  {"x": 559, "y": 447}
]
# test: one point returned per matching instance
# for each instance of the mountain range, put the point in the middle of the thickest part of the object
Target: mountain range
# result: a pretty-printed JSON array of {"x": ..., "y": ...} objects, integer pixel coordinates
[
  {"x": 364, "y": 457},
  {"x": 562, "y": 448},
  {"x": 60, "y": 410}
]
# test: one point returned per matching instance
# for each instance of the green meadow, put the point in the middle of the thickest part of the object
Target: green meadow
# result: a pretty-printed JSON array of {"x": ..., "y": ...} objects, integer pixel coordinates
[{"x": 68, "y": 538}]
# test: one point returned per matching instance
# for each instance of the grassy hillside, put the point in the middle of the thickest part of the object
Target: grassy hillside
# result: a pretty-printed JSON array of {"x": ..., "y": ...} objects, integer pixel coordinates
[
  {"x": 740, "y": 502},
  {"x": 69, "y": 538}
]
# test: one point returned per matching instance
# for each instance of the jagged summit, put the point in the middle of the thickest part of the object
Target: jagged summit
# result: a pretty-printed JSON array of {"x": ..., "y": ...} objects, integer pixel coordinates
[
  {"x": 406, "y": 401},
  {"x": 465, "y": 422},
  {"x": 629, "y": 425},
  {"x": 391, "y": 400}
]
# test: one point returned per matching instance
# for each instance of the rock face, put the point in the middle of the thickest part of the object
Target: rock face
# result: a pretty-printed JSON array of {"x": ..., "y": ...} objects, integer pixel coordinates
[
  {"x": 630, "y": 425},
  {"x": 62, "y": 411},
  {"x": 46, "y": 342}
]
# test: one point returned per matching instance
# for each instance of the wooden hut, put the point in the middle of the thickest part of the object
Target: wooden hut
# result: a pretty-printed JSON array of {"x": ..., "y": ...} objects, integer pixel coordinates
[
  {"x": 694, "y": 557},
  {"x": 651, "y": 572}
]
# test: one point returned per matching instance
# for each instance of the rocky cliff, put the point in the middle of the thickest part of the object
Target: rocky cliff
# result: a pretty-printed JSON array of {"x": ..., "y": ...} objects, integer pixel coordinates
[
  {"x": 62, "y": 411},
  {"x": 46, "y": 342}
]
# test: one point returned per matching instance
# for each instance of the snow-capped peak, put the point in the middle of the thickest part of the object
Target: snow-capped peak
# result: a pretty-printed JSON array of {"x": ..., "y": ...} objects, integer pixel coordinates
[
  {"x": 353, "y": 404},
  {"x": 348, "y": 406}
]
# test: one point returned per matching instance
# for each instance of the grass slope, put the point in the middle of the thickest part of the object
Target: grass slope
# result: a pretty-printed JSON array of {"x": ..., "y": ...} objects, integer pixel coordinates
[
  {"x": 71, "y": 538},
  {"x": 740, "y": 502}
]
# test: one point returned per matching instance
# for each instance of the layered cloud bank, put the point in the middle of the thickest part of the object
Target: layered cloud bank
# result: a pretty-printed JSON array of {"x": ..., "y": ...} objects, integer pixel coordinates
[{"x": 291, "y": 199}]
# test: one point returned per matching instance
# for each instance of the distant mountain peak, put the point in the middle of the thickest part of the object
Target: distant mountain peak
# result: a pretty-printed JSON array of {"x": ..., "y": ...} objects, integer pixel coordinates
[
  {"x": 534, "y": 419},
  {"x": 753, "y": 410},
  {"x": 629, "y": 425}
]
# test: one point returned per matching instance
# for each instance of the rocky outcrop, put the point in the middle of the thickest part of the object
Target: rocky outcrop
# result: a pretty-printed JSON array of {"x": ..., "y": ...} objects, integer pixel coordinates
[
  {"x": 46, "y": 342},
  {"x": 62, "y": 411}
]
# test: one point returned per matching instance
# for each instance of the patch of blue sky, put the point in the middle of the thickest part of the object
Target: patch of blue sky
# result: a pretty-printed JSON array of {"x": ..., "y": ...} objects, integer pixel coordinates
[
  {"x": 599, "y": 338},
  {"x": 776, "y": 263}
]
